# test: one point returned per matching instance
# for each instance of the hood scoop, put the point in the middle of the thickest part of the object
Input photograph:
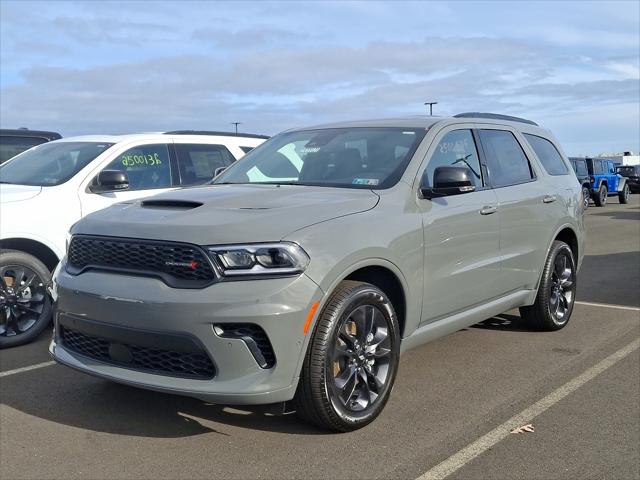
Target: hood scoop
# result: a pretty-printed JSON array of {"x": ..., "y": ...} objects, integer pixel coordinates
[{"x": 171, "y": 204}]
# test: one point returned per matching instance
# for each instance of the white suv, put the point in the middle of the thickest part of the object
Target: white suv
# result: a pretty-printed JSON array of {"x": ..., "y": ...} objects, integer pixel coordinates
[{"x": 48, "y": 188}]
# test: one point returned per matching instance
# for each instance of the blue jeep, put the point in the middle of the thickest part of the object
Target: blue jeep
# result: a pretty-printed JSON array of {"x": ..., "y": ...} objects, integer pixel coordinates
[{"x": 605, "y": 181}]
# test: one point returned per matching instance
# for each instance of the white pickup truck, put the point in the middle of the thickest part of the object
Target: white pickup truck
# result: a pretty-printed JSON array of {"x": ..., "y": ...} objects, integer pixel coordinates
[{"x": 48, "y": 188}]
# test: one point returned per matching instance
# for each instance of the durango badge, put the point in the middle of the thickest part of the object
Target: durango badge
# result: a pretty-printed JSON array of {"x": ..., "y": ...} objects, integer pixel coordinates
[{"x": 192, "y": 264}]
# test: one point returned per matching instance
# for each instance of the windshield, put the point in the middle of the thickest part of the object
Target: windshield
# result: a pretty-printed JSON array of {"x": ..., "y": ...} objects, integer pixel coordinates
[
  {"x": 50, "y": 163},
  {"x": 626, "y": 170},
  {"x": 337, "y": 157},
  {"x": 12, "y": 146}
]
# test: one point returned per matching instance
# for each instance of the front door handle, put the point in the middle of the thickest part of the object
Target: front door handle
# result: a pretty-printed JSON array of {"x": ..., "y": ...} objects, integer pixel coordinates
[
  {"x": 488, "y": 210},
  {"x": 549, "y": 198}
]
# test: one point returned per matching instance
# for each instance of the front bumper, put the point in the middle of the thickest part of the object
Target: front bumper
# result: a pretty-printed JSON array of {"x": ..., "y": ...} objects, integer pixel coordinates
[{"x": 109, "y": 304}]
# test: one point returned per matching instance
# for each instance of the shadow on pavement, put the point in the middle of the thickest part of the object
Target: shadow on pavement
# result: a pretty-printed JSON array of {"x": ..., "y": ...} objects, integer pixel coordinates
[
  {"x": 612, "y": 278},
  {"x": 632, "y": 213},
  {"x": 505, "y": 322},
  {"x": 70, "y": 398}
]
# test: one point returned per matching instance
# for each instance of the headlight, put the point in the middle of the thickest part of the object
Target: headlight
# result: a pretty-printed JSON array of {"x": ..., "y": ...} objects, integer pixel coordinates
[{"x": 260, "y": 259}]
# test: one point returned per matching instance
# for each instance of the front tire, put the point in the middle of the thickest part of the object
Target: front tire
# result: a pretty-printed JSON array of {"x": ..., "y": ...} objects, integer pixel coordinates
[
  {"x": 25, "y": 305},
  {"x": 351, "y": 361},
  {"x": 600, "y": 198},
  {"x": 623, "y": 196},
  {"x": 585, "y": 197},
  {"x": 556, "y": 293}
]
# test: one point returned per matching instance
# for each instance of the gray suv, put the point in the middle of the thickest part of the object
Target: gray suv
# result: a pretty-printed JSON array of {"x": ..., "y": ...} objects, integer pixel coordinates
[{"x": 300, "y": 275}]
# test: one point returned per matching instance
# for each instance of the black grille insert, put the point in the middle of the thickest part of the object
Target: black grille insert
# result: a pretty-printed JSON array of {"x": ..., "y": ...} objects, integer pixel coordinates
[
  {"x": 177, "y": 264},
  {"x": 254, "y": 337},
  {"x": 188, "y": 364}
]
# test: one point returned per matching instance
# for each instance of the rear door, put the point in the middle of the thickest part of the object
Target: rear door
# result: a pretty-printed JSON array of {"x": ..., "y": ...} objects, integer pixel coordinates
[
  {"x": 527, "y": 205},
  {"x": 197, "y": 163}
]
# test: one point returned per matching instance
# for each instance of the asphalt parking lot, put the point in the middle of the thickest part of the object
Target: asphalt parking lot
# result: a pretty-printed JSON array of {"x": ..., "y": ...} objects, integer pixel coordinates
[{"x": 454, "y": 403}]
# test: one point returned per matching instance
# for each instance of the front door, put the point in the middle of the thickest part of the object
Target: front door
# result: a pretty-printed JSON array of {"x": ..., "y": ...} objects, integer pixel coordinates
[
  {"x": 148, "y": 168},
  {"x": 461, "y": 233}
]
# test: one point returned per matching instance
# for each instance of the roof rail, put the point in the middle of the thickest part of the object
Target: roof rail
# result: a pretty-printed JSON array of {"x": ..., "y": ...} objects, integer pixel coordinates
[
  {"x": 495, "y": 116},
  {"x": 224, "y": 134}
]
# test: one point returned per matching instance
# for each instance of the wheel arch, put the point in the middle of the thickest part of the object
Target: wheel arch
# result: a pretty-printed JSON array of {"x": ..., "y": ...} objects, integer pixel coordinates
[
  {"x": 568, "y": 235},
  {"x": 41, "y": 251},
  {"x": 387, "y": 281}
]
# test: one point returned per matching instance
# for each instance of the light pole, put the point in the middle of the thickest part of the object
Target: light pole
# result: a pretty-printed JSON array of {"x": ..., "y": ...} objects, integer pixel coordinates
[
  {"x": 431, "y": 104},
  {"x": 236, "y": 124}
]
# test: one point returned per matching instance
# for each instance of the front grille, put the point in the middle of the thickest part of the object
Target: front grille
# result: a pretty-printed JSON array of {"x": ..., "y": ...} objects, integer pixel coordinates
[
  {"x": 254, "y": 337},
  {"x": 179, "y": 265},
  {"x": 195, "y": 364}
]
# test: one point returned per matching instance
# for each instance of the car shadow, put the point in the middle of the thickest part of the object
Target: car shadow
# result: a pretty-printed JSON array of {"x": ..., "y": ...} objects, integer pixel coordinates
[
  {"x": 506, "y": 322},
  {"x": 64, "y": 396},
  {"x": 627, "y": 214},
  {"x": 612, "y": 278}
]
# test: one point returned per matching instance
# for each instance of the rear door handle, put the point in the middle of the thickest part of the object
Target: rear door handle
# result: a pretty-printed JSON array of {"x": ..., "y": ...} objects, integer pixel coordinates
[
  {"x": 488, "y": 210},
  {"x": 549, "y": 198}
]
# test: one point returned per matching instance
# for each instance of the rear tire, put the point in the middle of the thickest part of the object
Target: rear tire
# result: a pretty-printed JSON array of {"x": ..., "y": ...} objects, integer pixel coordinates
[
  {"x": 623, "y": 196},
  {"x": 351, "y": 361},
  {"x": 25, "y": 305},
  {"x": 556, "y": 293},
  {"x": 600, "y": 198}
]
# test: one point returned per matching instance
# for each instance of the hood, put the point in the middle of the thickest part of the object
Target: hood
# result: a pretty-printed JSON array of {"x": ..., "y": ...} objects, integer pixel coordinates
[
  {"x": 17, "y": 193},
  {"x": 225, "y": 214}
]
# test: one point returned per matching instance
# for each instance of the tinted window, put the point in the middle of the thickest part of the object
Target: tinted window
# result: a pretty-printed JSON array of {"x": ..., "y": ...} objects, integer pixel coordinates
[
  {"x": 598, "y": 166},
  {"x": 364, "y": 157},
  {"x": 246, "y": 149},
  {"x": 627, "y": 171},
  {"x": 12, "y": 146},
  {"x": 581, "y": 168},
  {"x": 147, "y": 166},
  {"x": 547, "y": 154},
  {"x": 50, "y": 163},
  {"x": 506, "y": 160},
  {"x": 456, "y": 148},
  {"x": 198, "y": 163}
]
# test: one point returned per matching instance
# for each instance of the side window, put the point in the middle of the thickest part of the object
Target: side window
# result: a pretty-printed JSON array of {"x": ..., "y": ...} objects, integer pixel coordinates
[
  {"x": 582, "y": 168},
  {"x": 598, "y": 167},
  {"x": 456, "y": 148},
  {"x": 147, "y": 166},
  {"x": 198, "y": 163},
  {"x": 508, "y": 165},
  {"x": 547, "y": 154},
  {"x": 246, "y": 149}
]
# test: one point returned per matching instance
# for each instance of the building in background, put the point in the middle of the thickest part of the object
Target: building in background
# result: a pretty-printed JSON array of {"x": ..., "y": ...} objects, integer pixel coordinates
[{"x": 620, "y": 159}]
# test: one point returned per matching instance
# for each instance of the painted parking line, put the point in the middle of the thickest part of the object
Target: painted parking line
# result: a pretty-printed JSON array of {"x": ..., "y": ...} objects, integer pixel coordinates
[
  {"x": 608, "y": 305},
  {"x": 487, "y": 441},
  {"x": 26, "y": 369}
]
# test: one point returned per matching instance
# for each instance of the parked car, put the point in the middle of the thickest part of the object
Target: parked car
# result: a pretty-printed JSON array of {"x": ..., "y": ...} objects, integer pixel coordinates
[
  {"x": 385, "y": 234},
  {"x": 606, "y": 182},
  {"x": 13, "y": 142},
  {"x": 579, "y": 166},
  {"x": 45, "y": 190},
  {"x": 632, "y": 174}
]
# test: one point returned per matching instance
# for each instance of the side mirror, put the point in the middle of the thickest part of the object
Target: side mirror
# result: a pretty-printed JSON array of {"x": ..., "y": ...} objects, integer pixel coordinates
[
  {"x": 110, "y": 181},
  {"x": 218, "y": 171},
  {"x": 448, "y": 181}
]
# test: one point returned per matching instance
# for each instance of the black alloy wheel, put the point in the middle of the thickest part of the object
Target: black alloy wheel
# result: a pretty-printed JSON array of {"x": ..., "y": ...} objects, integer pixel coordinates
[
  {"x": 25, "y": 306},
  {"x": 557, "y": 291},
  {"x": 623, "y": 196},
  {"x": 351, "y": 361}
]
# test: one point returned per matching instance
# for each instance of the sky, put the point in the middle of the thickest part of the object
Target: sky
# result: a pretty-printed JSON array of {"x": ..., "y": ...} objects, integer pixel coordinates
[{"x": 123, "y": 67}]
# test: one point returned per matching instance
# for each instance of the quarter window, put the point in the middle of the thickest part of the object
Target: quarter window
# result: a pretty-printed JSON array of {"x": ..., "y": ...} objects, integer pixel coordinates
[
  {"x": 508, "y": 165},
  {"x": 198, "y": 163},
  {"x": 547, "y": 154},
  {"x": 457, "y": 148},
  {"x": 147, "y": 166}
]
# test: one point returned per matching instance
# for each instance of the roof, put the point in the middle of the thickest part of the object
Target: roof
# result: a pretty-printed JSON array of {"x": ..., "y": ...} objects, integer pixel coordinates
[
  {"x": 149, "y": 136},
  {"x": 25, "y": 132},
  {"x": 427, "y": 121}
]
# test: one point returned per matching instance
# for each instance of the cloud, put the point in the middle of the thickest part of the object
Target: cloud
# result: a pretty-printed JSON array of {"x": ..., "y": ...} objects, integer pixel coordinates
[{"x": 162, "y": 67}]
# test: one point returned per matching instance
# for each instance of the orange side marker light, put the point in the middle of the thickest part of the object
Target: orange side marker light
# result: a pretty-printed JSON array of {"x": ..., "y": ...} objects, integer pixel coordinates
[{"x": 312, "y": 312}]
